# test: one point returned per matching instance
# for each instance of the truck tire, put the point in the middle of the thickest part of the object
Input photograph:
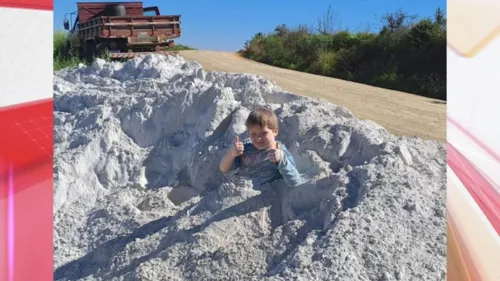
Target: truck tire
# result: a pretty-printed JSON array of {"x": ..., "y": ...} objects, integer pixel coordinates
[
  {"x": 101, "y": 49},
  {"x": 89, "y": 50}
]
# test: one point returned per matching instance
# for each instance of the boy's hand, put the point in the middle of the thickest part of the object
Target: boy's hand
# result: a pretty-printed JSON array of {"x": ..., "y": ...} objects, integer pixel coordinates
[
  {"x": 238, "y": 148},
  {"x": 275, "y": 154}
]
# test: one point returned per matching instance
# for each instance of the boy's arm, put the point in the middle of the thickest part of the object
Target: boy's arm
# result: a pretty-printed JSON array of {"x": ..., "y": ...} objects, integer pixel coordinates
[
  {"x": 227, "y": 162},
  {"x": 288, "y": 170}
]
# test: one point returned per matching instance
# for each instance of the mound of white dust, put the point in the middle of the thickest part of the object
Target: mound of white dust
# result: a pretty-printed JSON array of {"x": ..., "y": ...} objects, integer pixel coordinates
[{"x": 138, "y": 193}]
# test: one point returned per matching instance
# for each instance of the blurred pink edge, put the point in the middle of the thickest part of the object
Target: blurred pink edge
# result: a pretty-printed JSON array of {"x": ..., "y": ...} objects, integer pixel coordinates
[
  {"x": 485, "y": 147},
  {"x": 477, "y": 185}
]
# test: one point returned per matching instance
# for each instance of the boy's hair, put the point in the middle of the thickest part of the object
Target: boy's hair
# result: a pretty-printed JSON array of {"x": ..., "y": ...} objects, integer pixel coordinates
[{"x": 264, "y": 117}]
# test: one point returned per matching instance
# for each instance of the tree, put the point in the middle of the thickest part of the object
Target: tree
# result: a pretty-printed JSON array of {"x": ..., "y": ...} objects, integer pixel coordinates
[
  {"x": 327, "y": 24},
  {"x": 281, "y": 30},
  {"x": 439, "y": 18},
  {"x": 396, "y": 22}
]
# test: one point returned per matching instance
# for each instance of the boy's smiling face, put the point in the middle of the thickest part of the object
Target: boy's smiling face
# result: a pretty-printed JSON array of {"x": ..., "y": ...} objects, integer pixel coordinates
[{"x": 262, "y": 137}]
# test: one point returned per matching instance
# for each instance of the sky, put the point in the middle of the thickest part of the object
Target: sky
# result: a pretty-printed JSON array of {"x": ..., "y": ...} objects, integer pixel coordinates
[{"x": 225, "y": 25}]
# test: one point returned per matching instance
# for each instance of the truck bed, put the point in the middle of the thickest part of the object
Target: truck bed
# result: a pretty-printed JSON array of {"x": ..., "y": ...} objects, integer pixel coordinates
[
  {"x": 165, "y": 27},
  {"x": 90, "y": 10},
  {"x": 123, "y": 27}
]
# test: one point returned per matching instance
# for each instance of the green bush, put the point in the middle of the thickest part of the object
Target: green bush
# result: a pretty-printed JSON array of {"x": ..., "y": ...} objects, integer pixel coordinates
[
  {"x": 325, "y": 63},
  {"x": 406, "y": 55},
  {"x": 63, "y": 57}
]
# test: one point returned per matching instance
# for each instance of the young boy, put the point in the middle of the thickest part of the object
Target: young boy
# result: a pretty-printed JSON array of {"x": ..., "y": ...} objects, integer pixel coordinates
[{"x": 262, "y": 159}]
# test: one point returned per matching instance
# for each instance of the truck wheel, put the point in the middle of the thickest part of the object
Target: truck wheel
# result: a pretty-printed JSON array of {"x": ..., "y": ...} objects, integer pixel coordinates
[
  {"x": 89, "y": 51},
  {"x": 101, "y": 49}
]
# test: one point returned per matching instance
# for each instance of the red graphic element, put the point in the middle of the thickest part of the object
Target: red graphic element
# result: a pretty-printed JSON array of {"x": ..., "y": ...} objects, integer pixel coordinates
[
  {"x": 26, "y": 150},
  {"x": 27, "y": 140},
  {"x": 477, "y": 185},
  {"x": 28, "y": 4}
]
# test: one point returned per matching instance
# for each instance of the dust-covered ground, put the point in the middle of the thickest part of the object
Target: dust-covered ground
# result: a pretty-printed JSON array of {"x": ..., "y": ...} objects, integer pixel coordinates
[{"x": 138, "y": 194}]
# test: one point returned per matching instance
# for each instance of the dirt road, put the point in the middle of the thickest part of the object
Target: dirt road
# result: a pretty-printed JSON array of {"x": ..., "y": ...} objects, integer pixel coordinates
[{"x": 401, "y": 113}]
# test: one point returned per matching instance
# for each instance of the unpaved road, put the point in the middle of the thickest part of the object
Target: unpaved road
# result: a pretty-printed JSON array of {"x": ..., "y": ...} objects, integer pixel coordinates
[{"x": 401, "y": 113}]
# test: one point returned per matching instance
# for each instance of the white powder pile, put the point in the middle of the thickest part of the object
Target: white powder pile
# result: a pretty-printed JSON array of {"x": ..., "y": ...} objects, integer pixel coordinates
[{"x": 138, "y": 193}]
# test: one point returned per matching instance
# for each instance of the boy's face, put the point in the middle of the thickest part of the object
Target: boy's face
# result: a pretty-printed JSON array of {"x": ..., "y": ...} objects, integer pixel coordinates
[{"x": 262, "y": 137}]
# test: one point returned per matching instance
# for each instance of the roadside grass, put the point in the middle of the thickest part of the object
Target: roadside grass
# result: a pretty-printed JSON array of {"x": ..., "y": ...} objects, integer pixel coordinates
[
  {"x": 181, "y": 47},
  {"x": 62, "y": 57}
]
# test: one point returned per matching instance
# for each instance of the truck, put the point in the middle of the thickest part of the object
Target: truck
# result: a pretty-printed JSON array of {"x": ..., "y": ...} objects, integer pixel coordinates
[{"x": 120, "y": 29}]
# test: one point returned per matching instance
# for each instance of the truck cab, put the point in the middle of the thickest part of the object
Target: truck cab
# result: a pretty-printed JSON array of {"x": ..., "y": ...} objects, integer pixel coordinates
[{"x": 72, "y": 38}]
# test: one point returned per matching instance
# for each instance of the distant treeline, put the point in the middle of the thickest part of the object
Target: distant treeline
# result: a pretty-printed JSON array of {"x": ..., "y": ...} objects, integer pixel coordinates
[{"x": 407, "y": 54}]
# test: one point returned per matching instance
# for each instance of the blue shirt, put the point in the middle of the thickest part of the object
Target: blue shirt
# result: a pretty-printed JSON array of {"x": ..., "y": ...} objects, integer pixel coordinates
[{"x": 255, "y": 165}]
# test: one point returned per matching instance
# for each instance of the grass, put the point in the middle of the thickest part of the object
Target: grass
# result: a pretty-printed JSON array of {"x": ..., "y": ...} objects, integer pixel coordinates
[
  {"x": 64, "y": 58},
  {"x": 181, "y": 47}
]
